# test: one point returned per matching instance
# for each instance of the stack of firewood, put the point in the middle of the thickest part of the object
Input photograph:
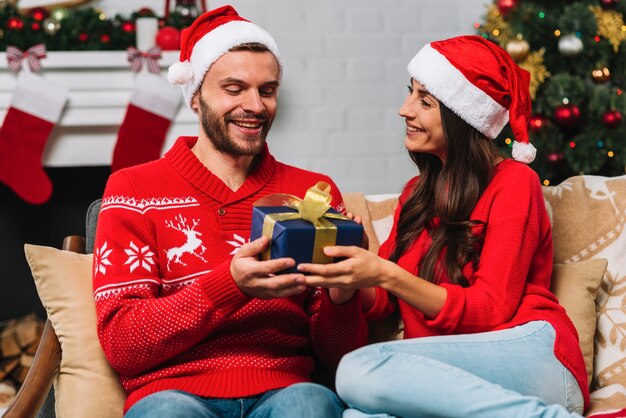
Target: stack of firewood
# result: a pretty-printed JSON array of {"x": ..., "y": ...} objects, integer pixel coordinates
[{"x": 19, "y": 339}]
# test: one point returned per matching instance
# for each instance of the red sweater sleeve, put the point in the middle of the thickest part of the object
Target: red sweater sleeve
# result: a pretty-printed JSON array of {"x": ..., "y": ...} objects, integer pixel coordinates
[
  {"x": 335, "y": 329},
  {"x": 514, "y": 230},
  {"x": 137, "y": 329}
]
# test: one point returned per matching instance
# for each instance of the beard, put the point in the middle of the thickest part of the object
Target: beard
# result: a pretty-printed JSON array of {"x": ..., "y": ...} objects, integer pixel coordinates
[{"x": 216, "y": 129}]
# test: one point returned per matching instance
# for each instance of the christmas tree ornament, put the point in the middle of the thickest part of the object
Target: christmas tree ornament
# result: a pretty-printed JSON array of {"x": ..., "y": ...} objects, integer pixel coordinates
[
  {"x": 51, "y": 26},
  {"x": 536, "y": 122},
  {"x": 187, "y": 9},
  {"x": 567, "y": 115},
  {"x": 600, "y": 75},
  {"x": 38, "y": 13},
  {"x": 168, "y": 38},
  {"x": 35, "y": 108},
  {"x": 105, "y": 38},
  {"x": 60, "y": 13},
  {"x": 153, "y": 105},
  {"x": 83, "y": 37},
  {"x": 555, "y": 158},
  {"x": 612, "y": 118},
  {"x": 570, "y": 45},
  {"x": 128, "y": 26},
  {"x": 608, "y": 4},
  {"x": 537, "y": 69},
  {"x": 518, "y": 48},
  {"x": 610, "y": 25},
  {"x": 35, "y": 26},
  {"x": 506, "y": 6},
  {"x": 15, "y": 23}
]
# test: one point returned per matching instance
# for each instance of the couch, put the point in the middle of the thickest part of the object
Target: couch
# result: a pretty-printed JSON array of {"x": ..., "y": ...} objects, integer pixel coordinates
[{"x": 588, "y": 215}]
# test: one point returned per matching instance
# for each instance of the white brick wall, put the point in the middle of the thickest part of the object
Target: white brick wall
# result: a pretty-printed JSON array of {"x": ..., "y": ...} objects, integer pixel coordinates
[{"x": 345, "y": 77}]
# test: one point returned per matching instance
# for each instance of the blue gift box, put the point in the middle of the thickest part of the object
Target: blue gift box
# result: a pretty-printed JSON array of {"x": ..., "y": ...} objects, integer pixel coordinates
[{"x": 296, "y": 238}]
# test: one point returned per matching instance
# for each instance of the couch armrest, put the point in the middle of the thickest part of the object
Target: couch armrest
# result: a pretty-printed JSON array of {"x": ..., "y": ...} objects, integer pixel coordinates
[{"x": 45, "y": 366}]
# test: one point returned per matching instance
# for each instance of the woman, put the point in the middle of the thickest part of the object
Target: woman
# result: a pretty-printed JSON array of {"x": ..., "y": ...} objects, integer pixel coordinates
[{"x": 469, "y": 259}]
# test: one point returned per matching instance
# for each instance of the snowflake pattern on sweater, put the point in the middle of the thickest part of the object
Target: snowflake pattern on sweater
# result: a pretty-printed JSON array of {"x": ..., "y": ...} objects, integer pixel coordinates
[{"x": 170, "y": 315}]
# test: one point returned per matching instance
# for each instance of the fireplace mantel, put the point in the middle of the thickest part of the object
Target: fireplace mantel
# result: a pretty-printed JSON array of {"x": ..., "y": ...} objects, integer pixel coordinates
[{"x": 100, "y": 84}]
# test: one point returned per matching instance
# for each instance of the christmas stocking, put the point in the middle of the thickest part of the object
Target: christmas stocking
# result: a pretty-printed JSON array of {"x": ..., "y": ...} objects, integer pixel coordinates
[
  {"x": 35, "y": 108},
  {"x": 152, "y": 107}
]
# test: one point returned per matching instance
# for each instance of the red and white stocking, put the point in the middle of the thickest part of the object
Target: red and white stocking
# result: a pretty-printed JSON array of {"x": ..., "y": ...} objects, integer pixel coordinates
[
  {"x": 35, "y": 108},
  {"x": 153, "y": 105}
]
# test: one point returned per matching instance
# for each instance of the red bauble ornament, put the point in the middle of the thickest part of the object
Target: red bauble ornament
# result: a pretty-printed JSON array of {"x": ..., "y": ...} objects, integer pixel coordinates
[
  {"x": 15, "y": 23},
  {"x": 612, "y": 119},
  {"x": 536, "y": 122},
  {"x": 168, "y": 38},
  {"x": 38, "y": 13},
  {"x": 128, "y": 26},
  {"x": 554, "y": 158},
  {"x": 609, "y": 4},
  {"x": 505, "y": 6},
  {"x": 105, "y": 38},
  {"x": 35, "y": 26},
  {"x": 567, "y": 116},
  {"x": 83, "y": 37}
]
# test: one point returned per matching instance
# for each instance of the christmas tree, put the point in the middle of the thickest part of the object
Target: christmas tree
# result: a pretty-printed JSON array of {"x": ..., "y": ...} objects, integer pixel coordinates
[{"x": 575, "y": 53}]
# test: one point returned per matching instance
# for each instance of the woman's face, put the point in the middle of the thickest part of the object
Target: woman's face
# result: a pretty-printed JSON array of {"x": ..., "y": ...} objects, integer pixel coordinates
[{"x": 424, "y": 131}]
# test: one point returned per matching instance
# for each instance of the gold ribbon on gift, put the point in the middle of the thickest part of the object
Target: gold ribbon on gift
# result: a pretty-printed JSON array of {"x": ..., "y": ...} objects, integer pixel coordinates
[{"x": 313, "y": 208}]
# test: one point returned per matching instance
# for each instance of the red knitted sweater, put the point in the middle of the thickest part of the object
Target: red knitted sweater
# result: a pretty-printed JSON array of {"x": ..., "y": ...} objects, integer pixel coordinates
[
  {"x": 511, "y": 283},
  {"x": 169, "y": 313}
]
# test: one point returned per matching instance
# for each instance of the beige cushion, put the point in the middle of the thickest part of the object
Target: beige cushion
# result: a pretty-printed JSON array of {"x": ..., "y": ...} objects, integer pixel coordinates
[
  {"x": 588, "y": 222},
  {"x": 377, "y": 213},
  {"x": 86, "y": 385},
  {"x": 576, "y": 285}
]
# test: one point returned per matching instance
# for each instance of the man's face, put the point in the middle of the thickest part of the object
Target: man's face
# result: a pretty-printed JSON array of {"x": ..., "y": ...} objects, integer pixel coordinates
[{"x": 236, "y": 103}]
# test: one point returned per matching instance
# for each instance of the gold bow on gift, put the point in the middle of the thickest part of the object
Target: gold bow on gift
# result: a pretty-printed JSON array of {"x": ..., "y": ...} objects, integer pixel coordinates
[{"x": 313, "y": 209}]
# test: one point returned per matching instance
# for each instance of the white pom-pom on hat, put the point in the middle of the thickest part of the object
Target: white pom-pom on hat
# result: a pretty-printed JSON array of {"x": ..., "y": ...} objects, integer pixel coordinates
[
  {"x": 524, "y": 152},
  {"x": 180, "y": 73}
]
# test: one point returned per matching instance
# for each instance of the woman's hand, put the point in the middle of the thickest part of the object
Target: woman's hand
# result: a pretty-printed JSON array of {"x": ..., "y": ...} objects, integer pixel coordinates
[{"x": 360, "y": 270}]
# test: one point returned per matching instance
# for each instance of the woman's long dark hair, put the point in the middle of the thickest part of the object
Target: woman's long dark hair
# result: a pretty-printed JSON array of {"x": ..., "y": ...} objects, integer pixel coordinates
[{"x": 449, "y": 192}]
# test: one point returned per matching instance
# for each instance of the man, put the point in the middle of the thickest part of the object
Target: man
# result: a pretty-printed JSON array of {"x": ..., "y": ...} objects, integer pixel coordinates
[{"x": 192, "y": 321}]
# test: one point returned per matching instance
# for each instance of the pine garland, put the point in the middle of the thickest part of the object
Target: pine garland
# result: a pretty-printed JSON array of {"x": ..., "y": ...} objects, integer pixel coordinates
[{"x": 84, "y": 29}]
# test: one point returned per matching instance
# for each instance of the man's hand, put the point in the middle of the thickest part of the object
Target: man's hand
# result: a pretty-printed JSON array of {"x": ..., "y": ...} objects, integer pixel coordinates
[{"x": 256, "y": 278}]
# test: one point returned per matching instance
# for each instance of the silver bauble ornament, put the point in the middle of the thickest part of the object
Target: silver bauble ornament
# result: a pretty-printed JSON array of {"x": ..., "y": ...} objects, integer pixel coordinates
[{"x": 570, "y": 45}]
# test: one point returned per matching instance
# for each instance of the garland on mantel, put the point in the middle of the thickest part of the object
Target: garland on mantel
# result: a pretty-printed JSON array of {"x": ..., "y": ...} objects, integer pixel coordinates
[{"x": 84, "y": 29}]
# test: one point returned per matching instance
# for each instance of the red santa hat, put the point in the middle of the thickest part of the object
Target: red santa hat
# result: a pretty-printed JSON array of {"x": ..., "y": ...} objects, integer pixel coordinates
[
  {"x": 481, "y": 83},
  {"x": 210, "y": 36}
]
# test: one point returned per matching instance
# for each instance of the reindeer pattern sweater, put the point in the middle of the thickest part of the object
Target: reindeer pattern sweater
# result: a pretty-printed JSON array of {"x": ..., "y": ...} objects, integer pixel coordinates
[
  {"x": 511, "y": 283},
  {"x": 170, "y": 315}
]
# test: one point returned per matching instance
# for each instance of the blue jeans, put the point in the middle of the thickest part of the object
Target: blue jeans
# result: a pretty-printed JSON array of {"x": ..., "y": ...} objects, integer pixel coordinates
[
  {"x": 302, "y": 400},
  {"x": 508, "y": 373}
]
